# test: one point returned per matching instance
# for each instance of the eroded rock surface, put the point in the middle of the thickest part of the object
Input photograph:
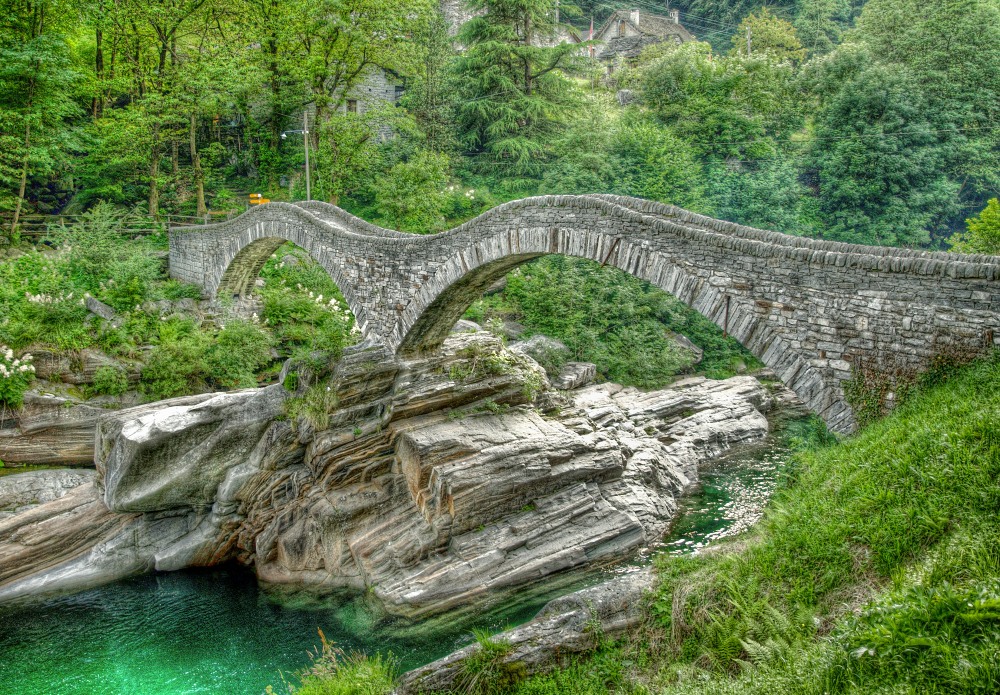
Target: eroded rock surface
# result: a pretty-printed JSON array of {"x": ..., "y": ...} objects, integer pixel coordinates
[
  {"x": 431, "y": 483},
  {"x": 565, "y": 627}
]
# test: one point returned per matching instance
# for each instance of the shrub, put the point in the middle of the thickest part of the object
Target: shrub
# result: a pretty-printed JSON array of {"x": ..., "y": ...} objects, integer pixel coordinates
[
  {"x": 487, "y": 671},
  {"x": 110, "y": 381},
  {"x": 16, "y": 374},
  {"x": 332, "y": 672},
  {"x": 240, "y": 350},
  {"x": 176, "y": 366}
]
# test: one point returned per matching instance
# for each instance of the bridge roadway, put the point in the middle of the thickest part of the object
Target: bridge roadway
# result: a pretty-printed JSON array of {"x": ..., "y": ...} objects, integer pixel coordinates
[{"x": 814, "y": 311}]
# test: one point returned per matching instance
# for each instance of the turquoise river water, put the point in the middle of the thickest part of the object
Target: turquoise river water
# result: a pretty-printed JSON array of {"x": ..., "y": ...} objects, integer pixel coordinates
[{"x": 216, "y": 631}]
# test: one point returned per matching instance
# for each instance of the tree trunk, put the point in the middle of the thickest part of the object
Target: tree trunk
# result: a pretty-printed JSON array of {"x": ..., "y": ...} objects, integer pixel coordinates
[
  {"x": 154, "y": 173},
  {"x": 24, "y": 177},
  {"x": 175, "y": 157},
  {"x": 199, "y": 174},
  {"x": 98, "y": 103}
]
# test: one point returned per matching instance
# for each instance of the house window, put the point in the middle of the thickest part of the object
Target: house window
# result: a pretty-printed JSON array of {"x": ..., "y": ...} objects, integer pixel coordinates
[
  {"x": 352, "y": 106},
  {"x": 621, "y": 27}
]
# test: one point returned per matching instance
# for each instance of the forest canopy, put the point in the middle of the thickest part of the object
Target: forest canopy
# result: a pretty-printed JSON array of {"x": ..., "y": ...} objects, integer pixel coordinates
[{"x": 872, "y": 122}]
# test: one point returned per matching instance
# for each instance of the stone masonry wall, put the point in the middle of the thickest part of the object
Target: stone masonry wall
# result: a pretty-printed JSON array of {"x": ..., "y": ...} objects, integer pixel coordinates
[{"x": 811, "y": 310}]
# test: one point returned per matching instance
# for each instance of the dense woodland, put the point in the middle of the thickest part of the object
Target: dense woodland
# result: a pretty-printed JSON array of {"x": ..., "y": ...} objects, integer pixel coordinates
[{"x": 869, "y": 122}]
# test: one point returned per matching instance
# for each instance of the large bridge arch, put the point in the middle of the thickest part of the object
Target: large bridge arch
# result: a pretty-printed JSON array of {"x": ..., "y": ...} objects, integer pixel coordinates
[
  {"x": 443, "y": 300},
  {"x": 811, "y": 310}
]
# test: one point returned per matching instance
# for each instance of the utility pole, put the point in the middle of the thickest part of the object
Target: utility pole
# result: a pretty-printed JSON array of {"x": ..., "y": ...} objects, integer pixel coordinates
[{"x": 305, "y": 137}]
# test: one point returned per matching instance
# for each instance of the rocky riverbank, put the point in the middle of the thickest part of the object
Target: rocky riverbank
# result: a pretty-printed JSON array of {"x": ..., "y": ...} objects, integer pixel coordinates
[{"x": 429, "y": 483}]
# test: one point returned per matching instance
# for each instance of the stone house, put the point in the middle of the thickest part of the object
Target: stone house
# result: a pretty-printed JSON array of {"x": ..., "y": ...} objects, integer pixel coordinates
[
  {"x": 625, "y": 34},
  {"x": 378, "y": 87}
]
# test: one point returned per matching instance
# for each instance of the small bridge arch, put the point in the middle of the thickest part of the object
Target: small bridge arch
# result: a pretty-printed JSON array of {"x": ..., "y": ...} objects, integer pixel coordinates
[{"x": 810, "y": 310}]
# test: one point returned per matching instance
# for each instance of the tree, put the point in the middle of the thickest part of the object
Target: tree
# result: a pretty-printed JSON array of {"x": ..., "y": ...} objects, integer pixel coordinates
[
  {"x": 733, "y": 107},
  {"x": 906, "y": 124},
  {"x": 820, "y": 24},
  {"x": 763, "y": 33},
  {"x": 36, "y": 92},
  {"x": 511, "y": 86},
  {"x": 651, "y": 162},
  {"x": 983, "y": 235},
  {"x": 412, "y": 194},
  {"x": 879, "y": 159}
]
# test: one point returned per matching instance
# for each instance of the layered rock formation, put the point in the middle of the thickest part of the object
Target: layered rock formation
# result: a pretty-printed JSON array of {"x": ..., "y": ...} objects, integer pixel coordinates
[{"x": 431, "y": 483}]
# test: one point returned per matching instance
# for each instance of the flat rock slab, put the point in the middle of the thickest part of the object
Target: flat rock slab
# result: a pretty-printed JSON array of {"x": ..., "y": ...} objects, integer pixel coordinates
[{"x": 565, "y": 627}]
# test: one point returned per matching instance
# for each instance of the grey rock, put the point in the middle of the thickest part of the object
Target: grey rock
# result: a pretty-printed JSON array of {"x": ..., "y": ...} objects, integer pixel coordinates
[
  {"x": 78, "y": 367},
  {"x": 512, "y": 330},
  {"x": 565, "y": 627},
  {"x": 174, "y": 456},
  {"x": 464, "y": 326},
  {"x": 574, "y": 375},
  {"x": 18, "y": 490},
  {"x": 685, "y": 343},
  {"x": 50, "y": 430},
  {"x": 99, "y": 308},
  {"x": 540, "y": 348},
  {"x": 431, "y": 482}
]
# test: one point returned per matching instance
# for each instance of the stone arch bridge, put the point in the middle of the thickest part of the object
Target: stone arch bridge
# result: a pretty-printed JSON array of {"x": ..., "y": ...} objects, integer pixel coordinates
[{"x": 813, "y": 311}]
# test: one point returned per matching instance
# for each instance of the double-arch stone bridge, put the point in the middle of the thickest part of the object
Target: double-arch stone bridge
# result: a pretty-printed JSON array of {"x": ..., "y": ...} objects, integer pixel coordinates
[{"x": 813, "y": 311}]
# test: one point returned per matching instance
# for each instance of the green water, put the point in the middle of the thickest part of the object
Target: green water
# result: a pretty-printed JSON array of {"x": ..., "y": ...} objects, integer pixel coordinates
[{"x": 215, "y": 631}]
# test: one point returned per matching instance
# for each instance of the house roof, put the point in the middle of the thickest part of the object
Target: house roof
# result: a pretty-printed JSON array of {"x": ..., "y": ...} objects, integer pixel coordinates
[
  {"x": 628, "y": 46},
  {"x": 649, "y": 25}
]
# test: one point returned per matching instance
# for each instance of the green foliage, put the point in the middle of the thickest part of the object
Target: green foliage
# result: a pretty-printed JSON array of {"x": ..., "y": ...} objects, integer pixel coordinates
[
  {"x": 984, "y": 232},
  {"x": 770, "y": 35},
  {"x": 240, "y": 350},
  {"x": 412, "y": 194},
  {"x": 16, "y": 375},
  {"x": 314, "y": 406},
  {"x": 924, "y": 638},
  {"x": 619, "y": 323},
  {"x": 859, "y": 514},
  {"x": 303, "y": 306},
  {"x": 332, "y": 672},
  {"x": 487, "y": 671},
  {"x": 109, "y": 381},
  {"x": 177, "y": 365},
  {"x": 511, "y": 91}
]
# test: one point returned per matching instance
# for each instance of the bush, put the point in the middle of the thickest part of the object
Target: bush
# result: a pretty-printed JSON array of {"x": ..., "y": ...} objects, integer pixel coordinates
[
  {"x": 604, "y": 316},
  {"x": 240, "y": 350},
  {"x": 16, "y": 374},
  {"x": 109, "y": 381},
  {"x": 334, "y": 673},
  {"x": 487, "y": 671},
  {"x": 177, "y": 366}
]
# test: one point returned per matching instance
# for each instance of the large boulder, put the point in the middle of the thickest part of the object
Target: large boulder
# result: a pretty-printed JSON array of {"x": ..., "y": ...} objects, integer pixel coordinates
[
  {"x": 174, "y": 456},
  {"x": 573, "y": 375}
]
